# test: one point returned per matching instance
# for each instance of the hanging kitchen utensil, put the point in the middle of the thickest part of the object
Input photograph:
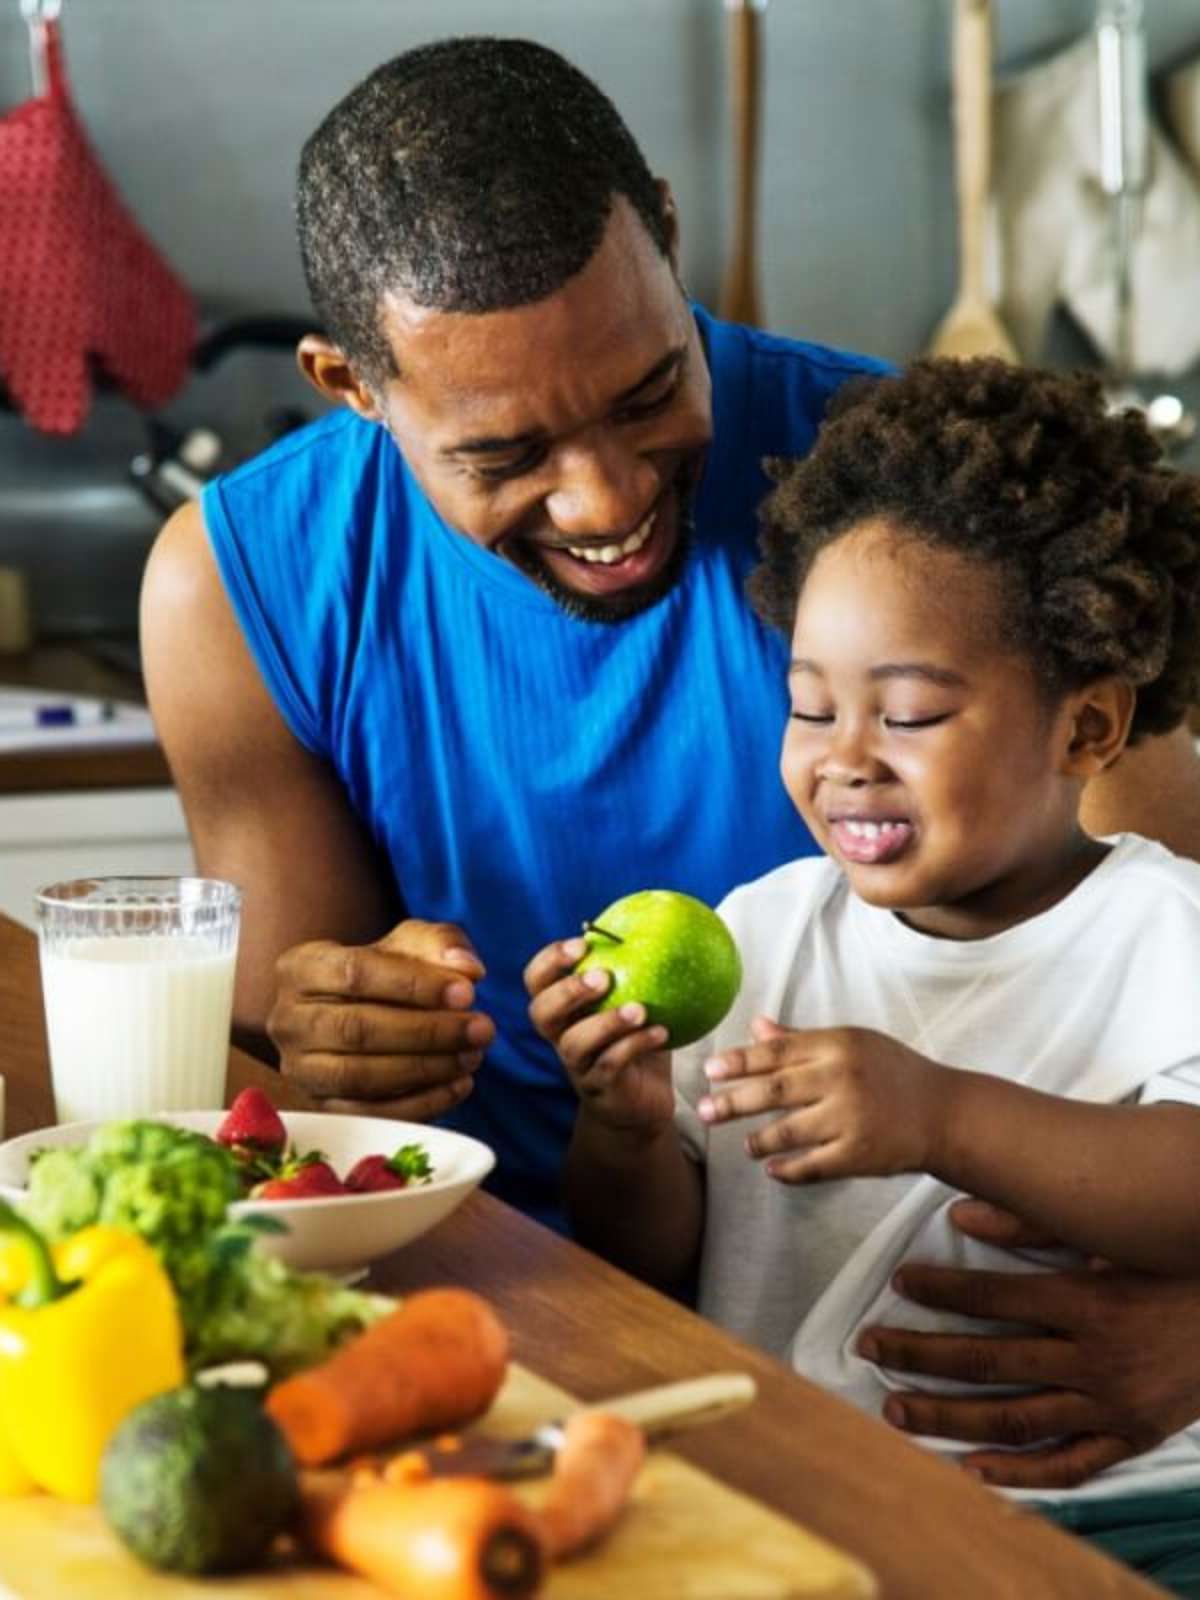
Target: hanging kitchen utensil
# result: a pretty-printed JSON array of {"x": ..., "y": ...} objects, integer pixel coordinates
[
  {"x": 739, "y": 299},
  {"x": 1181, "y": 97},
  {"x": 1056, "y": 226},
  {"x": 1121, "y": 61},
  {"x": 83, "y": 292},
  {"x": 1124, "y": 178},
  {"x": 971, "y": 326}
]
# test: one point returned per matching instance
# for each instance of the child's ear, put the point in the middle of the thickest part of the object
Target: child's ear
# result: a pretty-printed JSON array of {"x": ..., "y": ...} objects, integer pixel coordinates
[{"x": 1099, "y": 717}]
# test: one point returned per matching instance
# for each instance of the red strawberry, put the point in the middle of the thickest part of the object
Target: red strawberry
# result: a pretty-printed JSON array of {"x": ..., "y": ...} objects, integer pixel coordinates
[
  {"x": 372, "y": 1173},
  {"x": 310, "y": 1178},
  {"x": 252, "y": 1122}
]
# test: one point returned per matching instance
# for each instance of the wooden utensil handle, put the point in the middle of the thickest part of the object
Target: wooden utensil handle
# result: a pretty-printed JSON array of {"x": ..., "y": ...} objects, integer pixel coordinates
[
  {"x": 972, "y": 133},
  {"x": 686, "y": 1404},
  {"x": 739, "y": 295},
  {"x": 744, "y": 46}
]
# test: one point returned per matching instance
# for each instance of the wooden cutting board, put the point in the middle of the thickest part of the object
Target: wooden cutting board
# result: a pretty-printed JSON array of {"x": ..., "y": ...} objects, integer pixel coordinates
[{"x": 684, "y": 1536}]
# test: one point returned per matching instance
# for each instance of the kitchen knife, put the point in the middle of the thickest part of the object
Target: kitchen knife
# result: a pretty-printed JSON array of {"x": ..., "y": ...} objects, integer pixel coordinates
[{"x": 657, "y": 1411}]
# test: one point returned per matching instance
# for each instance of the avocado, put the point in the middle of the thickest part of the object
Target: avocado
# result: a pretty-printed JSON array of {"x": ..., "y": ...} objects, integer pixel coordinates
[{"x": 198, "y": 1480}]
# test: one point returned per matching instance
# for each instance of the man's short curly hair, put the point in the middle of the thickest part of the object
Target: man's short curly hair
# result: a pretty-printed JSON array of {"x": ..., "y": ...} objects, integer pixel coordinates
[
  {"x": 472, "y": 174},
  {"x": 1097, "y": 543}
]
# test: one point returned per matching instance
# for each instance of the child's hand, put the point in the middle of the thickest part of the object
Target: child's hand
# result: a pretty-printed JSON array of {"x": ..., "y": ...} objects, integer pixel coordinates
[
  {"x": 861, "y": 1104},
  {"x": 618, "y": 1065}
]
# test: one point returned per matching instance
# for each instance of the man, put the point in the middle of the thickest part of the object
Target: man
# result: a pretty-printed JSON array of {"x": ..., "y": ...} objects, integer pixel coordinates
[{"x": 463, "y": 657}]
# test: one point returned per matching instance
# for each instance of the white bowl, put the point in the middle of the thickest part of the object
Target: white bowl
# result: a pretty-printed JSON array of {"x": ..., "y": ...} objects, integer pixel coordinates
[{"x": 334, "y": 1233}]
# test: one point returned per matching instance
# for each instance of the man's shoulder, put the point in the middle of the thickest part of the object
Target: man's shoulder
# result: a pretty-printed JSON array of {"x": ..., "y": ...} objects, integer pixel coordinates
[
  {"x": 826, "y": 364},
  {"x": 770, "y": 395},
  {"x": 775, "y": 359},
  {"x": 337, "y": 437},
  {"x": 315, "y": 490}
]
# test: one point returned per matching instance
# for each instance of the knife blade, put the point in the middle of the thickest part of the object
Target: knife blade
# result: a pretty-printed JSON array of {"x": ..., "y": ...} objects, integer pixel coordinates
[{"x": 658, "y": 1411}]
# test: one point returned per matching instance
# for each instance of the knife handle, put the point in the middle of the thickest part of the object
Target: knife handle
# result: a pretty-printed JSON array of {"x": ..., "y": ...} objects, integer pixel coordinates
[{"x": 682, "y": 1405}]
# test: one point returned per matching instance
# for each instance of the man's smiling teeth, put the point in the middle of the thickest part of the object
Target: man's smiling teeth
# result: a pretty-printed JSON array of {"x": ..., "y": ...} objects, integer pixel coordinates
[
  {"x": 608, "y": 554},
  {"x": 871, "y": 830}
]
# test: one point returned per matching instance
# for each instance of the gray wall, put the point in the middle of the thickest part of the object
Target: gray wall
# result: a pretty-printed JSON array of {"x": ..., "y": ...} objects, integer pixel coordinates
[{"x": 199, "y": 107}]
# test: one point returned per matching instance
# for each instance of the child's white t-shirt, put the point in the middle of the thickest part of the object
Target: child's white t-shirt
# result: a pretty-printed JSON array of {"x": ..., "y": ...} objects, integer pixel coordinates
[{"x": 1097, "y": 999}]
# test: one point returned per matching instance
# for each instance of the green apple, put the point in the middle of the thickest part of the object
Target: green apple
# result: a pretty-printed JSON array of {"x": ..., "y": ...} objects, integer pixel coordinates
[{"x": 672, "y": 953}]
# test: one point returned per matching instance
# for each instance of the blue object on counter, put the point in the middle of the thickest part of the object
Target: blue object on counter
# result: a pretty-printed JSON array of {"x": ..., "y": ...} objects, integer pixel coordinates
[{"x": 67, "y": 714}]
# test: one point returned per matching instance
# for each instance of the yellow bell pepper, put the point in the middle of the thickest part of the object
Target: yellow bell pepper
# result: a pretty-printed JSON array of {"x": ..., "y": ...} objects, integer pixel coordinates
[
  {"x": 14, "y": 1480},
  {"x": 87, "y": 1332}
]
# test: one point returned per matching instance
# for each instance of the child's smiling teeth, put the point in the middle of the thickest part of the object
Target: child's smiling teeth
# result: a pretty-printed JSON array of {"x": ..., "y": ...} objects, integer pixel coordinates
[
  {"x": 609, "y": 554},
  {"x": 872, "y": 830},
  {"x": 868, "y": 842}
]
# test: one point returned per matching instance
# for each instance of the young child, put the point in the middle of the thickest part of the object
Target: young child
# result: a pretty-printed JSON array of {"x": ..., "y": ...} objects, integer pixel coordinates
[{"x": 991, "y": 587}]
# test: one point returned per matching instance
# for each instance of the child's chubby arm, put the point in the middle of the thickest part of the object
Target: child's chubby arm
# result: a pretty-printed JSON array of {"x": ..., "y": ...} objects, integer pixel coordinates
[
  {"x": 632, "y": 1193},
  {"x": 1118, "y": 1181}
]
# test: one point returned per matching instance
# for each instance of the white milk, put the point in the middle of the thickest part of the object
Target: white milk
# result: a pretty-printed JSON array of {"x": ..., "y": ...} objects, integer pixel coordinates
[{"x": 137, "y": 1024}]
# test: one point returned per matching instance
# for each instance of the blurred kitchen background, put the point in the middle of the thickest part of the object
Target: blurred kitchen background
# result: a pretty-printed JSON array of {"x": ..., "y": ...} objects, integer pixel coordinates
[{"x": 197, "y": 111}]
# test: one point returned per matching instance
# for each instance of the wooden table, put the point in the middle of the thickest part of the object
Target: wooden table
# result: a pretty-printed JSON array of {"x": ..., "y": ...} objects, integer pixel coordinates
[{"x": 928, "y": 1531}]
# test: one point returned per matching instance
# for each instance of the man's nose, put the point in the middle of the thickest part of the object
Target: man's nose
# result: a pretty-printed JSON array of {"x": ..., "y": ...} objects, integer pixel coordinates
[{"x": 603, "y": 487}]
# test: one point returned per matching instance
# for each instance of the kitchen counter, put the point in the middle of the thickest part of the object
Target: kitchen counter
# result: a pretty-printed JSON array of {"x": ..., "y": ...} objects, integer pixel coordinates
[
  {"x": 72, "y": 669},
  {"x": 72, "y": 810}
]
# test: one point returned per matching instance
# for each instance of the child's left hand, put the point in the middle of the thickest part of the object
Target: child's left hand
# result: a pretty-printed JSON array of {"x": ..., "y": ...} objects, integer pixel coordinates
[{"x": 855, "y": 1103}]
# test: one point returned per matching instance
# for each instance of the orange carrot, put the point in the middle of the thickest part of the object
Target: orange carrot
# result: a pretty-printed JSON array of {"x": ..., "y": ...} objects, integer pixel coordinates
[
  {"x": 593, "y": 1473},
  {"x": 449, "y": 1539},
  {"x": 435, "y": 1362}
]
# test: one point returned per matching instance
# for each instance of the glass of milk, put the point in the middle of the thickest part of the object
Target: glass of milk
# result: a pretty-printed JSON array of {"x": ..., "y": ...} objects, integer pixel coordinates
[{"x": 137, "y": 980}]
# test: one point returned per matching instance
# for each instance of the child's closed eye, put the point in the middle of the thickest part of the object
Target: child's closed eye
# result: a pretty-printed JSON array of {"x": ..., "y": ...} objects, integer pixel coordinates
[
  {"x": 916, "y": 722},
  {"x": 822, "y": 718}
]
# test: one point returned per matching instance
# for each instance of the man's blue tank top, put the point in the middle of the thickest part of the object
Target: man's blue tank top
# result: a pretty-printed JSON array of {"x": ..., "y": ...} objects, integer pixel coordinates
[{"x": 519, "y": 768}]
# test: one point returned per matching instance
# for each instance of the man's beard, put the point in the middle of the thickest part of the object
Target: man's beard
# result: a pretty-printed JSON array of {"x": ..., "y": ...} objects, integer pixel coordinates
[{"x": 629, "y": 603}]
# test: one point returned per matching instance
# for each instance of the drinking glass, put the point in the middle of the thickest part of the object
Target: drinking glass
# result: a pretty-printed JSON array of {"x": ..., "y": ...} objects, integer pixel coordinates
[{"x": 137, "y": 981}]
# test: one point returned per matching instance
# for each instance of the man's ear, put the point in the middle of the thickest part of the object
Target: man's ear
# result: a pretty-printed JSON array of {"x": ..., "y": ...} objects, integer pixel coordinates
[
  {"x": 671, "y": 214},
  {"x": 1098, "y": 720},
  {"x": 332, "y": 376}
]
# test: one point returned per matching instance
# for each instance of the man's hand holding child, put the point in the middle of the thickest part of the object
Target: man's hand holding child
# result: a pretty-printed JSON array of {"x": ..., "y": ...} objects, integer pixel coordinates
[{"x": 852, "y": 1102}]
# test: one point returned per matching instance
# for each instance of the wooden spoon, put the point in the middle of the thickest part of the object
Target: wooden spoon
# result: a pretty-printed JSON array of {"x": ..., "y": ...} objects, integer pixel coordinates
[
  {"x": 971, "y": 326},
  {"x": 739, "y": 299}
]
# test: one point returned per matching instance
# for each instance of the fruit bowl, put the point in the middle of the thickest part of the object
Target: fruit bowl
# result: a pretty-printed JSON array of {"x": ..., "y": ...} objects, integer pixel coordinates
[{"x": 335, "y": 1233}]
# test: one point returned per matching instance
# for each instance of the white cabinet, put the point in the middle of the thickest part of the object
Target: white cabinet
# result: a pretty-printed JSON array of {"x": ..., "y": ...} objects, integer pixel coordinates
[{"x": 85, "y": 833}]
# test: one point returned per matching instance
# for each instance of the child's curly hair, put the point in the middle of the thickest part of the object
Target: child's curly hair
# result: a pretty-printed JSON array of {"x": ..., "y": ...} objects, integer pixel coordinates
[{"x": 1097, "y": 542}]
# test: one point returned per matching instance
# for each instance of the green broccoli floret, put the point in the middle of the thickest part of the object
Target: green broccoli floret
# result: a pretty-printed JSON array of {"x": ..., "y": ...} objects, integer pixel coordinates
[
  {"x": 167, "y": 1184},
  {"x": 262, "y": 1310},
  {"x": 175, "y": 1201},
  {"x": 173, "y": 1187},
  {"x": 118, "y": 1144},
  {"x": 63, "y": 1194}
]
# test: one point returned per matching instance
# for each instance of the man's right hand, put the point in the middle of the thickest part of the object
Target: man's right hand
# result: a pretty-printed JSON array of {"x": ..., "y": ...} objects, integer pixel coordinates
[{"x": 390, "y": 1023}]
